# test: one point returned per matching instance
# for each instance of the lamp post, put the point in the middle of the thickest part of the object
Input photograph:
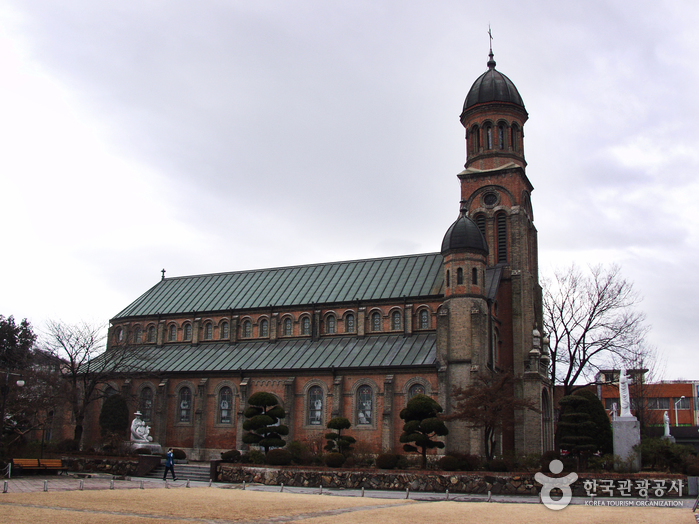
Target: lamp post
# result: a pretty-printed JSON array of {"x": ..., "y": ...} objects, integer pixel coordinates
[
  {"x": 678, "y": 401},
  {"x": 5, "y": 390}
]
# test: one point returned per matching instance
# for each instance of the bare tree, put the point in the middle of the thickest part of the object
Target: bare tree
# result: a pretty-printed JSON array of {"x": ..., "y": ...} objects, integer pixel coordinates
[
  {"x": 489, "y": 404},
  {"x": 87, "y": 365},
  {"x": 592, "y": 320}
]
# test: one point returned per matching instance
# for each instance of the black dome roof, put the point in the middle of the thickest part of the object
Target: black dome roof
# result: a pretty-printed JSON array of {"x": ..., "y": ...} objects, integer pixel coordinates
[
  {"x": 492, "y": 86},
  {"x": 464, "y": 235}
]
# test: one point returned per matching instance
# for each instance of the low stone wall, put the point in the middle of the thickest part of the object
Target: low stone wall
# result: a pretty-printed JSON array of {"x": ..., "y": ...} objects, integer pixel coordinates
[
  {"x": 381, "y": 479},
  {"x": 119, "y": 466},
  {"x": 456, "y": 482}
]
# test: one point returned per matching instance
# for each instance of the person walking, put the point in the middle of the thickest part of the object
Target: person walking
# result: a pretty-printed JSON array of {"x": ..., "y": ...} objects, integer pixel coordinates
[{"x": 170, "y": 464}]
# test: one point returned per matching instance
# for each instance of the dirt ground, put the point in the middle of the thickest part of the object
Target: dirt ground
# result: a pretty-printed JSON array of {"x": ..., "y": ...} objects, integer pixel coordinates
[{"x": 221, "y": 506}]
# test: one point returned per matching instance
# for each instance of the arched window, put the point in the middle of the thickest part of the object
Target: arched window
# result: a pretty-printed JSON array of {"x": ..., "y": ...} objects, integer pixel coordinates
[
  {"x": 475, "y": 139},
  {"x": 119, "y": 335},
  {"x": 185, "y": 411},
  {"x": 349, "y": 323},
  {"x": 264, "y": 328},
  {"x": 459, "y": 276},
  {"x": 501, "y": 224},
  {"x": 489, "y": 137},
  {"x": 146, "y": 404},
  {"x": 395, "y": 321},
  {"x": 306, "y": 326},
  {"x": 109, "y": 391},
  {"x": 288, "y": 326},
  {"x": 416, "y": 389},
  {"x": 223, "y": 332},
  {"x": 474, "y": 276},
  {"x": 151, "y": 334},
  {"x": 225, "y": 405},
  {"x": 247, "y": 329},
  {"x": 315, "y": 406},
  {"x": 137, "y": 335},
  {"x": 208, "y": 331},
  {"x": 187, "y": 332},
  {"x": 376, "y": 321},
  {"x": 448, "y": 279},
  {"x": 514, "y": 137},
  {"x": 365, "y": 405},
  {"x": 424, "y": 319},
  {"x": 330, "y": 324},
  {"x": 172, "y": 333},
  {"x": 501, "y": 136}
]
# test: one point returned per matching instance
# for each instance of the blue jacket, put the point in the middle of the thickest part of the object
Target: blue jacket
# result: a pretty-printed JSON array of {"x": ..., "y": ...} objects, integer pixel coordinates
[{"x": 169, "y": 459}]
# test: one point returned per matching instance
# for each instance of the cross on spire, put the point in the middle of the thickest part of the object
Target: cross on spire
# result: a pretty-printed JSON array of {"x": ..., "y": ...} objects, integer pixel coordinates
[
  {"x": 491, "y": 62},
  {"x": 163, "y": 272}
]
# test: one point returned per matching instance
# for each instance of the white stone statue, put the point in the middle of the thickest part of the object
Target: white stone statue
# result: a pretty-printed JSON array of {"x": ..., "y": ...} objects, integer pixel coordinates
[
  {"x": 139, "y": 431},
  {"x": 666, "y": 423},
  {"x": 624, "y": 398},
  {"x": 614, "y": 408}
]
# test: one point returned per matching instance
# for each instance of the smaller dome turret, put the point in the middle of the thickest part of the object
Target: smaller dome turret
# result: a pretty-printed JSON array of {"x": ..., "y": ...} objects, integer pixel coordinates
[{"x": 464, "y": 235}]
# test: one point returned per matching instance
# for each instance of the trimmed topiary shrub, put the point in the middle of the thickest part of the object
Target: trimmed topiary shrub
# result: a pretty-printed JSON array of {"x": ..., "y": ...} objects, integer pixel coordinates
[
  {"x": 262, "y": 423},
  {"x": 255, "y": 456},
  {"x": 448, "y": 463},
  {"x": 114, "y": 417},
  {"x": 498, "y": 465},
  {"x": 231, "y": 456},
  {"x": 387, "y": 461},
  {"x": 278, "y": 457},
  {"x": 300, "y": 454},
  {"x": 692, "y": 467},
  {"x": 546, "y": 459},
  {"x": 469, "y": 462},
  {"x": 422, "y": 426},
  {"x": 334, "y": 460},
  {"x": 179, "y": 454},
  {"x": 337, "y": 441}
]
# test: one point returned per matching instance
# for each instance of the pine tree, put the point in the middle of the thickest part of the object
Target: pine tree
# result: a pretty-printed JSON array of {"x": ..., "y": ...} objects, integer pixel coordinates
[
  {"x": 337, "y": 442},
  {"x": 263, "y": 421},
  {"x": 421, "y": 426}
]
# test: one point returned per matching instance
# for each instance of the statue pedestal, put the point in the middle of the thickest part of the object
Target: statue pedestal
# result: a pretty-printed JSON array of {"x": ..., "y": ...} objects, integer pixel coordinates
[
  {"x": 627, "y": 434},
  {"x": 669, "y": 437},
  {"x": 153, "y": 447}
]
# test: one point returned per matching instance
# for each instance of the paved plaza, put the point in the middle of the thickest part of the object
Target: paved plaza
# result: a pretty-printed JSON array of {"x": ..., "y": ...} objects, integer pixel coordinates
[{"x": 136, "y": 501}]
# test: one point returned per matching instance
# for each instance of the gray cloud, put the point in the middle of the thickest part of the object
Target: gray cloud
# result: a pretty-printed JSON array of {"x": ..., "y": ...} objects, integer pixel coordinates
[{"x": 267, "y": 134}]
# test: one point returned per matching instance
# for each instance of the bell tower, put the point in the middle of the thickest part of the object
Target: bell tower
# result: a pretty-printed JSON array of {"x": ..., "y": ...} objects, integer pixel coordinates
[{"x": 496, "y": 196}]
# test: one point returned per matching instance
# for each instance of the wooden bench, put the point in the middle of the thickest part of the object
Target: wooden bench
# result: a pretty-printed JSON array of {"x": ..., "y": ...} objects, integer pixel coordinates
[
  {"x": 23, "y": 464},
  {"x": 38, "y": 465},
  {"x": 53, "y": 464}
]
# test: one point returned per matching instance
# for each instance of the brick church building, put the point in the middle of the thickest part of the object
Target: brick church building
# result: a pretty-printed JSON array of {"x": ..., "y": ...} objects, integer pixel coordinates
[{"x": 357, "y": 339}]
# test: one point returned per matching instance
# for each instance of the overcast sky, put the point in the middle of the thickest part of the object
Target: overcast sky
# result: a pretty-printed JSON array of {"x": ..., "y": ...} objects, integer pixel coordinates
[{"x": 215, "y": 136}]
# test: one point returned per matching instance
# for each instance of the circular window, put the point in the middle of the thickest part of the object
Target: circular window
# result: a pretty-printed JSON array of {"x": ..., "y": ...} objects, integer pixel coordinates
[{"x": 490, "y": 199}]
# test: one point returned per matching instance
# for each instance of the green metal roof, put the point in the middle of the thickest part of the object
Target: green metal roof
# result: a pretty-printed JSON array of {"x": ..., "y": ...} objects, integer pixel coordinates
[
  {"x": 292, "y": 354},
  {"x": 334, "y": 282}
]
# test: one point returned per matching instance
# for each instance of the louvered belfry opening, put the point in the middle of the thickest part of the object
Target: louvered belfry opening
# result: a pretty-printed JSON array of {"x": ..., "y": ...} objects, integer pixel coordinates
[{"x": 501, "y": 224}]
